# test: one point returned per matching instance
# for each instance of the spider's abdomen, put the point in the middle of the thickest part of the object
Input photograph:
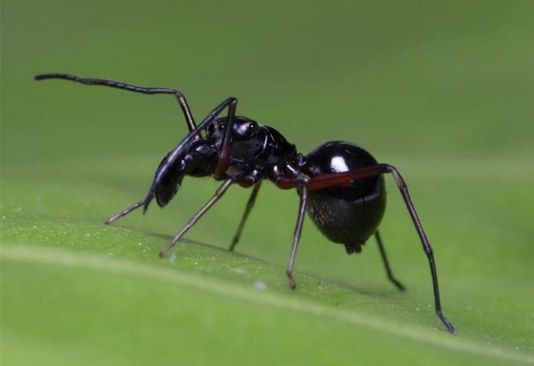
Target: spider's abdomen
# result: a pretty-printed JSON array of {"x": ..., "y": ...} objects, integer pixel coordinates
[{"x": 350, "y": 214}]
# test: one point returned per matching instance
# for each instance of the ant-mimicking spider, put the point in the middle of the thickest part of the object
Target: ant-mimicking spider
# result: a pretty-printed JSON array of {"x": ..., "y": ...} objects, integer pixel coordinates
[{"x": 340, "y": 184}]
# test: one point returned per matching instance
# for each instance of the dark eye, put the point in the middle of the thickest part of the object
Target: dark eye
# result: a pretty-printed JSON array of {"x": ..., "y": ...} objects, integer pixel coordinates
[
  {"x": 216, "y": 126},
  {"x": 210, "y": 129}
]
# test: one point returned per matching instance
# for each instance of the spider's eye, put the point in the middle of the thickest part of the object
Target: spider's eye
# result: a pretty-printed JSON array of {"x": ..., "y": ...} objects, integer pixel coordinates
[
  {"x": 210, "y": 129},
  {"x": 214, "y": 127}
]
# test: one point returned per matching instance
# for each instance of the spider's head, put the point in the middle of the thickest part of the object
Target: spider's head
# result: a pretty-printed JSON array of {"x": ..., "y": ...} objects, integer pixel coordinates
[{"x": 198, "y": 160}]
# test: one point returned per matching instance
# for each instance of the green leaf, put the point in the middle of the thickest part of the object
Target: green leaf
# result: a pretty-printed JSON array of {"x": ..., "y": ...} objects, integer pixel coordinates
[{"x": 76, "y": 289}]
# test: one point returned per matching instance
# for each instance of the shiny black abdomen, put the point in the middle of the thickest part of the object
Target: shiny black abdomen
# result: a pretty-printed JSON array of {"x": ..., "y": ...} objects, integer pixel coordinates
[{"x": 347, "y": 215}]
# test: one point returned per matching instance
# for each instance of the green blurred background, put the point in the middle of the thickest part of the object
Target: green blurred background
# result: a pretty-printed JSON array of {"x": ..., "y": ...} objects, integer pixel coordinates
[{"x": 441, "y": 89}]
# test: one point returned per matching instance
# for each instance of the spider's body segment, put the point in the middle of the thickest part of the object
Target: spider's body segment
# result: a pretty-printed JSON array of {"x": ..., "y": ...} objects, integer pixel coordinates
[{"x": 348, "y": 214}]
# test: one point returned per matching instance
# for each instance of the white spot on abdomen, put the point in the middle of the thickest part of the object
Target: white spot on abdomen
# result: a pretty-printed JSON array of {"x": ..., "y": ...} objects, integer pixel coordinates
[{"x": 338, "y": 165}]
